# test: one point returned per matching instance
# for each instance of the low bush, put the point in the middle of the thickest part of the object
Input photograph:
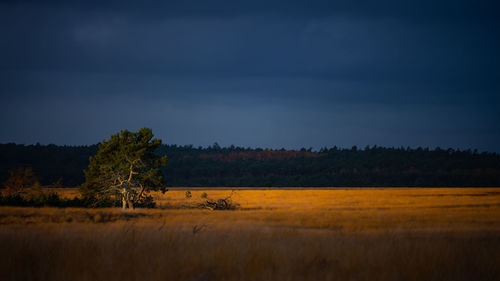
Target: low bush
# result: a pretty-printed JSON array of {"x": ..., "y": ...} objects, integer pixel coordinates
[{"x": 52, "y": 199}]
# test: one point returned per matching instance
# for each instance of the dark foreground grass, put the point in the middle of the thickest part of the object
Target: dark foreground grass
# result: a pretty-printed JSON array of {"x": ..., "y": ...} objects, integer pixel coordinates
[{"x": 149, "y": 251}]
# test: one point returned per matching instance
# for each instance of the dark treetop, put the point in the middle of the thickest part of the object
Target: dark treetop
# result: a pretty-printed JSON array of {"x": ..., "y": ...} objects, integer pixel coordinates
[{"x": 236, "y": 166}]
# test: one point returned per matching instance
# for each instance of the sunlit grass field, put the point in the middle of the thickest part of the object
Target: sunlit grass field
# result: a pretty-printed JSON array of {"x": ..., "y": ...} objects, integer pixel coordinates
[{"x": 274, "y": 234}]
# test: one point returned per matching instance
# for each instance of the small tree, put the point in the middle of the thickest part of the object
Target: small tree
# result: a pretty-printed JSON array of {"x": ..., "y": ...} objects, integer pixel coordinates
[
  {"x": 19, "y": 180},
  {"x": 125, "y": 168}
]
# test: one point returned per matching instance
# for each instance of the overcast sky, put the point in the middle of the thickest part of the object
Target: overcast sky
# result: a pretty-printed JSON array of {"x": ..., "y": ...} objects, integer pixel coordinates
[{"x": 256, "y": 73}]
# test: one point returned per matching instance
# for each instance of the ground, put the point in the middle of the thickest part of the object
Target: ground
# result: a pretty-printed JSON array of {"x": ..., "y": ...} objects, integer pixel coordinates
[{"x": 274, "y": 234}]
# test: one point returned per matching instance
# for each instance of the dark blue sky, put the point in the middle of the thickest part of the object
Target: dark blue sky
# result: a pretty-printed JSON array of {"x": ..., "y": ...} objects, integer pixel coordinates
[{"x": 258, "y": 73}]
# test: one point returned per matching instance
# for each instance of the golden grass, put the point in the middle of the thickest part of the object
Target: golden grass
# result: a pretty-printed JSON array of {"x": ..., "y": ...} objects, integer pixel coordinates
[{"x": 320, "y": 234}]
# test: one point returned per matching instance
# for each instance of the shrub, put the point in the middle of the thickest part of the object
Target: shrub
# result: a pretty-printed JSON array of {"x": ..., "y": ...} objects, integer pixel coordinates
[
  {"x": 19, "y": 181},
  {"x": 52, "y": 199}
]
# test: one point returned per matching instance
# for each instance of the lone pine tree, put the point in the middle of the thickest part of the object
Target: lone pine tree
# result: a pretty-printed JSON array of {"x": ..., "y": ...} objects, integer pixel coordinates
[{"x": 125, "y": 168}]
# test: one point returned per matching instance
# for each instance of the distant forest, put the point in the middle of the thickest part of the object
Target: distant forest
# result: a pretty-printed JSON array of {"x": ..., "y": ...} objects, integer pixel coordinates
[{"x": 247, "y": 167}]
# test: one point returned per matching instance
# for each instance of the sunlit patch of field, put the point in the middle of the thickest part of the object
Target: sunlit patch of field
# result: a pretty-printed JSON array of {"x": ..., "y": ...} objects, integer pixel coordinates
[{"x": 295, "y": 234}]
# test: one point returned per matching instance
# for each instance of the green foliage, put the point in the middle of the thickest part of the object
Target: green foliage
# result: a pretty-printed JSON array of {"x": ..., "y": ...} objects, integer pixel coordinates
[
  {"x": 204, "y": 195},
  {"x": 40, "y": 200},
  {"x": 125, "y": 168},
  {"x": 188, "y": 194},
  {"x": 239, "y": 167},
  {"x": 52, "y": 199}
]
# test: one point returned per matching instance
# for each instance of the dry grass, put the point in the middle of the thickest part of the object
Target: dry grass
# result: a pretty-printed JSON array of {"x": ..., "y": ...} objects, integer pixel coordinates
[{"x": 338, "y": 234}]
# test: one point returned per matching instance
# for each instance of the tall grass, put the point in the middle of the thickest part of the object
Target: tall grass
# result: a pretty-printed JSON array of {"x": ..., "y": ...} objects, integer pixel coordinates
[
  {"x": 127, "y": 251},
  {"x": 441, "y": 234}
]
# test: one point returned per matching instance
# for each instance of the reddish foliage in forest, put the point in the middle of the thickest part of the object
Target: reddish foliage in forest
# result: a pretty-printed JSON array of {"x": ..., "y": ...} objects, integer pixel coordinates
[
  {"x": 19, "y": 179},
  {"x": 264, "y": 155}
]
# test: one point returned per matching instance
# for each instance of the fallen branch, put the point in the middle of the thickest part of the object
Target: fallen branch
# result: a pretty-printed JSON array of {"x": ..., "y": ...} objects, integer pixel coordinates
[{"x": 220, "y": 204}]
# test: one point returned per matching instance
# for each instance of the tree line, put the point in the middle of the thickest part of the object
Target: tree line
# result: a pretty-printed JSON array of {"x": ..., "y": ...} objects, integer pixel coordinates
[{"x": 235, "y": 166}]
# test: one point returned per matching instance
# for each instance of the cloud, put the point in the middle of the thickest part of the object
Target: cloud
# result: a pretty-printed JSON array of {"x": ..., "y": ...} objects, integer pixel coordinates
[
  {"x": 256, "y": 123},
  {"x": 318, "y": 72},
  {"x": 447, "y": 10}
]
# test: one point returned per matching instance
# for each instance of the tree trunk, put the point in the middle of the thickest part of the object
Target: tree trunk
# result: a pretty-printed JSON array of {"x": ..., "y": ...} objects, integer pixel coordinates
[
  {"x": 124, "y": 198},
  {"x": 124, "y": 203},
  {"x": 129, "y": 203}
]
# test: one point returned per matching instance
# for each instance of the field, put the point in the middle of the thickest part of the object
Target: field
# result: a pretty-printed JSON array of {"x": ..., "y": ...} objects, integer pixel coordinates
[{"x": 292, "y": 234}]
